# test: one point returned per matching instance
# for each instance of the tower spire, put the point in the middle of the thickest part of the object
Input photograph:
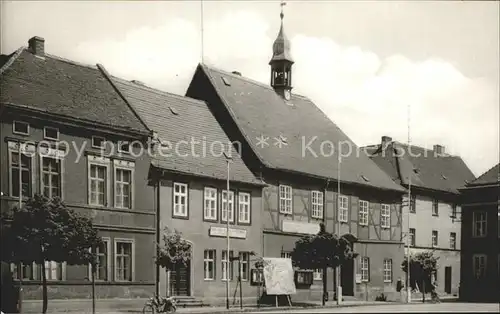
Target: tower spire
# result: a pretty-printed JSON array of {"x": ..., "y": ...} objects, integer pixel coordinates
[{"x": 281, "y": 62}]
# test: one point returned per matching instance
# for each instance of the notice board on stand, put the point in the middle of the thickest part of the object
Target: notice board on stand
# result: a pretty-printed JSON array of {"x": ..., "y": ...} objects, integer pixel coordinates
[{"x": 279, "y": 276}]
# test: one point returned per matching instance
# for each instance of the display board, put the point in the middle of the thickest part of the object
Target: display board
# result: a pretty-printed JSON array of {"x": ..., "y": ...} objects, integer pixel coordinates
[{"x": 278, "y": 276}]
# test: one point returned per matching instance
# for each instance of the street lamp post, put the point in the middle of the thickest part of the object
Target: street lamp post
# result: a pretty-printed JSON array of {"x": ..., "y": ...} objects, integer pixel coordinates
[
  {"x": 228, "y": 159},
  {"x": 338, "y": 279}
]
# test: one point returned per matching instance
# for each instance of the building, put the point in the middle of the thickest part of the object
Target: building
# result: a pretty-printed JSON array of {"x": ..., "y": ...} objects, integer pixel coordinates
[
  {"x": 189, "y": 171},
  {"x": 78, "y": 140},
  {"x": 434, "y": 217},
  {"x": 480, "y": 263},
  {"x": 292, "y": 145}
]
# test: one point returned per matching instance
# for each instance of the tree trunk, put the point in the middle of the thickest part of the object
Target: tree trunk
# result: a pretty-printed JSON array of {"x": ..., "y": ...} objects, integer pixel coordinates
[
  {"x": 324, "y": 287},
  {"x": 423, "y": 290},
  {"x": 44, "y": 288}
]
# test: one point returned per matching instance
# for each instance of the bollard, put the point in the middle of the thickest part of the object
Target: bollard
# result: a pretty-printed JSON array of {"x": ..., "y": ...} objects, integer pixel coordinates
[{"x": 20, "y": 301}]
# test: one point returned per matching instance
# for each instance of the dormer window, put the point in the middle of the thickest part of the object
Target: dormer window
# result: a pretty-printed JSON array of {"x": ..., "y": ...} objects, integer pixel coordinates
[
  {"x": 50, "y": 133},
  {"x": 226, "y": 81},
  {"x": 365, "y": 178},
  {"x": 21, "y": 128},
  {"x": 173, "y": 111}
]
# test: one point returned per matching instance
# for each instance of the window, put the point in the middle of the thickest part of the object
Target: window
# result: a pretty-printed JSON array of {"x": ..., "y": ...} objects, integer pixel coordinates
[
  {"x": 180, "y": 199},
  {"x": 318, "y": 274},
  {"x": 224, "y": 213},
  {"x": 123, "y": 188},
  {"x": 479, "y": 265},
  {"x": 22, "y": 128},
  {"x": 412, "y": 236},
  {"x": 363, "y": 213},
  {"x": 413, "y": 204},
  {"x": 435, "y": 208},
  {"x": 97, "y": 178},
  {"x": 51, "y": 177},
  {"x": 244, "y": 207},
  {"x": 453, "y": 240},
  {"x": 123, "y": 260},
  {"x": 244, "y": 269},
  {"x": 385, "y": 216},
  {"x": 25, "y": 174},
  {"x": 50, "y": 133},
  {"x": 209, "y": 264},
  {"x": 124, "y": 147},
  {"x": 454, "y": 211},
  {"x": 343, "y": 208},
  {"x": 285, "y": 199},
  {"x": 210, "y": 211},
  {"x": 225, "y": 263},
  {"x": 434, "y": 238},
  {"x": 97, "y": 142},
  {"x": 387, "y": 270},
  {"x": 103, "y": 266},
  {"x": 479, "y": 219},
  {"x": 286, "y": 255},
  {"x": 53, "y": 270},
  {"x": 365, "y": 269},
  {"x": 317, "y": 204},
  {"x": 26, "y": 271}
]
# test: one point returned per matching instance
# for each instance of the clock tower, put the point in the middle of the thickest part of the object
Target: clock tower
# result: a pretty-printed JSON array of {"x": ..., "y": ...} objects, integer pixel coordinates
[{"x": 281, "y": 63}]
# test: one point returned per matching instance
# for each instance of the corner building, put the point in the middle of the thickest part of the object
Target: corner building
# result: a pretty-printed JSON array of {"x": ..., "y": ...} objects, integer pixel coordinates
[{"x": 283, "y": 136}]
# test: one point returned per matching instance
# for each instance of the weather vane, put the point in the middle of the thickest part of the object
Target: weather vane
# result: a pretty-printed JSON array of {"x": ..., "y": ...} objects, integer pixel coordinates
[{"x": 282, "y": 4}]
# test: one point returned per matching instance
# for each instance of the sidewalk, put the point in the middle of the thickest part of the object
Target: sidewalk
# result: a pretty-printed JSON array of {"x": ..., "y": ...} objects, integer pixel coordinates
[{"x": 135, "y": 306}]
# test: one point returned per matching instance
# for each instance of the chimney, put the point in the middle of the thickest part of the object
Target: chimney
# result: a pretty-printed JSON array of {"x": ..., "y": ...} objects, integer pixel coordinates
[
  {"x": 386, "y": 140},
  {"x": 37, "y": 46},
  {"x": 236, "y": 73},
  {"x": 439, "y": 150}
]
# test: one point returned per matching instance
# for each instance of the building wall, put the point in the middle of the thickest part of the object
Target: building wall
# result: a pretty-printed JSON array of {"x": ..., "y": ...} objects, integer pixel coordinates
[
  {"x": 377, "y": 242},
  {"x": 196, "y": 230},
  {"x": 424, "y": 222},
  {"x": 488, "y": 287},
  {"x": 136, "y": 224}
]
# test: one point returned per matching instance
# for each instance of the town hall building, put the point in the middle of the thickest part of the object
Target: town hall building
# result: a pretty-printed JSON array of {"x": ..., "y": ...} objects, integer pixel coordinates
[{"x": 274, "y": 125}]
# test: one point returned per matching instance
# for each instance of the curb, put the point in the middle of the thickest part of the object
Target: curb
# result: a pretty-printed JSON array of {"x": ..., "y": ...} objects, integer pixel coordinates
[{"x": 296, "y": 308}]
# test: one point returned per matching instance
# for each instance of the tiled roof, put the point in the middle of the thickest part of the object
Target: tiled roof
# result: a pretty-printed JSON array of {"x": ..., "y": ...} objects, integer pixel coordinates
[
  {"x": 176, "y": 119},
  {"x": 258, "y": 110},
  {"x": 63, "y": 87},
  {"x": 444, "y": 173},
  {"x": 489, "y": 177}
]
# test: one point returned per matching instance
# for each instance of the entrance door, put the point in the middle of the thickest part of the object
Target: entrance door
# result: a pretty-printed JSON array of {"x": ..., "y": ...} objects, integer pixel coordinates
[
  {"x": 447, "y": 279},
  {"x": 347, "y": 278},
  {"x": 180, "y": 279}
]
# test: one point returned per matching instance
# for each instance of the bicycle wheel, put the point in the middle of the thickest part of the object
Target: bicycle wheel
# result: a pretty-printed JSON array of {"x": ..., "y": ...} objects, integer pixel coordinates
[{"x": 148, "y": 309}]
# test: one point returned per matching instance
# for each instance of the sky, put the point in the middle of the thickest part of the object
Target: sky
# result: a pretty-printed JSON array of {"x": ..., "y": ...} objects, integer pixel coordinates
[{"x": 364, "y": 63}]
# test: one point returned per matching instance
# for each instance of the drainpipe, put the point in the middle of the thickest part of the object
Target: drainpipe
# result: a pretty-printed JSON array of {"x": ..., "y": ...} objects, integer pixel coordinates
[{"x": 157, "y": 188}]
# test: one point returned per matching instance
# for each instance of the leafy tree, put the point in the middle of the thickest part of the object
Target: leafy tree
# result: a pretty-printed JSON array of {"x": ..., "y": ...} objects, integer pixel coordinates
[
  {"x": 175, "y": 250},
  {"x": 322, "y": 251},
  {"x": 422, "y": 266},
  {"x": 46, "y": 230}
]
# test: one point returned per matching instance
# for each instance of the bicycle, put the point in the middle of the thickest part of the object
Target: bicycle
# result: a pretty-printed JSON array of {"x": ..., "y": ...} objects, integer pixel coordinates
[
  {"x": 435, "y": 297},
  {"x": 157, "y": 304}
]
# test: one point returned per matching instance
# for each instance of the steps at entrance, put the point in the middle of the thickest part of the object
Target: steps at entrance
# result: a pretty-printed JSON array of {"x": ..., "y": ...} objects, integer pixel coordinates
[{"x": 185, "y": 301}]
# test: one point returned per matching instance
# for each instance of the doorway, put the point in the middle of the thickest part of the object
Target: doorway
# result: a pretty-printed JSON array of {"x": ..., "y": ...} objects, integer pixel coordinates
[
  {"x": 447, "y": 279},
  {"x": 347, "y": 278},
  {"x": 180, "y": 279}
]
